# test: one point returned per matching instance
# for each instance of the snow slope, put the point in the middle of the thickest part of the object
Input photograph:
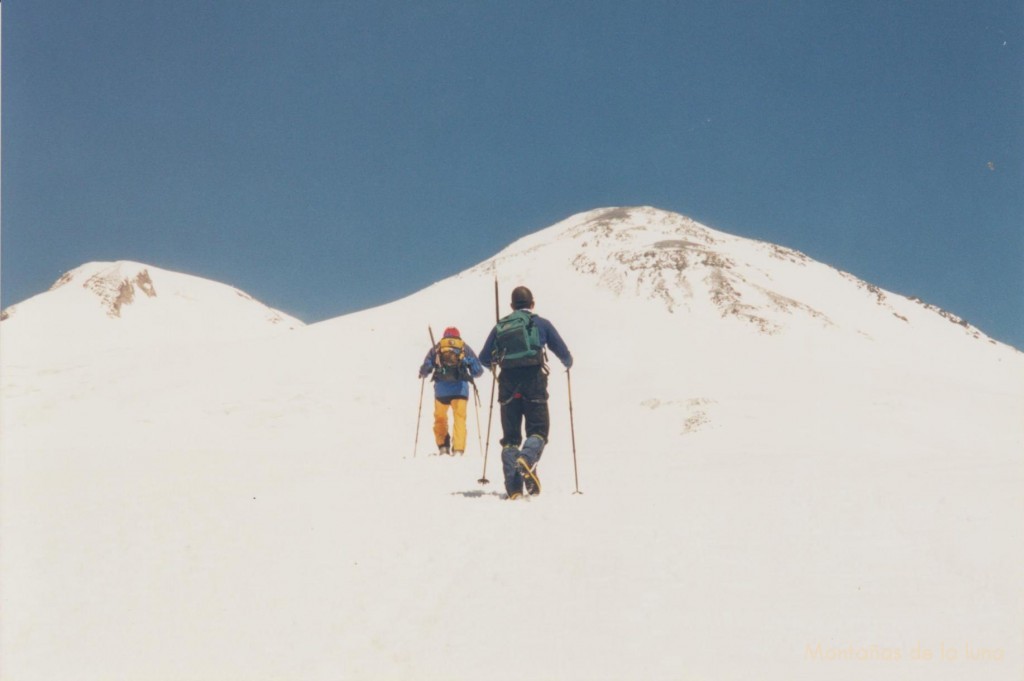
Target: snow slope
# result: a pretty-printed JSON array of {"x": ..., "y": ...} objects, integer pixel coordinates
[{"x": 787, "y": 473}]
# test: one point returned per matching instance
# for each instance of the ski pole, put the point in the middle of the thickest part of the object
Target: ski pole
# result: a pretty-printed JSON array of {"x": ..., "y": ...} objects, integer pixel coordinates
[
  {"x": 497, "y": 312},
  {"x": 490, "y": 414},
  {"x": 419, "y": 416},
  {"x": 476, "y": 403},
  {"x": 419, "y": 412},
  {"x": 572, "y": 430},
  {"x": 494, "y": 380}
]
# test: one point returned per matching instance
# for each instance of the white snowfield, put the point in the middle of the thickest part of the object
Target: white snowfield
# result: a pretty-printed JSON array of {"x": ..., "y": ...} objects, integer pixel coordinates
[{"x": 787, "y": 473}]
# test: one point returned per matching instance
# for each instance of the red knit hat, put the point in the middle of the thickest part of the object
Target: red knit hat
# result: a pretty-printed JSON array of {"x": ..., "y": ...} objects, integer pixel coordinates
[{"x": 452, "y": 332}]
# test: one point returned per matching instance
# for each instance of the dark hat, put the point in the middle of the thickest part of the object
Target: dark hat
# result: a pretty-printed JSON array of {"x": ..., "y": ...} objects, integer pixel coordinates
[
  {"x": 452, "y": 332},
  {"x": 521, "y": 297}
]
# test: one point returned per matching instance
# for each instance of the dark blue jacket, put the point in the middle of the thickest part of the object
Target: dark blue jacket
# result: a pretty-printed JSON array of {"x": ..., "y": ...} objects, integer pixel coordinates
[
  {"x": 548, "y": 338},
  {"x": 446, "y": 390}
]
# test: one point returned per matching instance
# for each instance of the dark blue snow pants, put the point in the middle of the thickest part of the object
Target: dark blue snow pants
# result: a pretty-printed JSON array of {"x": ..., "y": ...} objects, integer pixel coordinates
[{"x": 523, "y": 394}]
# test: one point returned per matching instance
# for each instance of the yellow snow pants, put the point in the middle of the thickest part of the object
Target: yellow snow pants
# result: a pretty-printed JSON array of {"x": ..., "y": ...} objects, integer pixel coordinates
[{"x": 458, "y": 427}]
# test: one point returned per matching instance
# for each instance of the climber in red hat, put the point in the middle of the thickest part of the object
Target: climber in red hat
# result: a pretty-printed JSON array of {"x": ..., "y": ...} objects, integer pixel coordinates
[{"x": 453, "y": 364}]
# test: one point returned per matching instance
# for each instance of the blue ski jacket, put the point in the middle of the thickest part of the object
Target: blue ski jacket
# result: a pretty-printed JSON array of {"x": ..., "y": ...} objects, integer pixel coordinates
[
  {"x": 549, "y": 338},
  {"x": 449, "y": 390}
]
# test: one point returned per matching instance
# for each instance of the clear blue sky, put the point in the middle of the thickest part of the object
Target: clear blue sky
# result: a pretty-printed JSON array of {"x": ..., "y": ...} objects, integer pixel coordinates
[{"x": 332, "y": 156}]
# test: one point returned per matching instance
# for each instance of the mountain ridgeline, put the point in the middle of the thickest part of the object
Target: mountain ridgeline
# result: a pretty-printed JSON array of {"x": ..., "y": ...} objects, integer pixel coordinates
[{"x": 710, "y": 281}]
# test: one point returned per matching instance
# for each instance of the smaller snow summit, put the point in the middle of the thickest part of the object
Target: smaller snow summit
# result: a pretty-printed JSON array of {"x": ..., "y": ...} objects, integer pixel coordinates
[{"x": 117, "y": 304}]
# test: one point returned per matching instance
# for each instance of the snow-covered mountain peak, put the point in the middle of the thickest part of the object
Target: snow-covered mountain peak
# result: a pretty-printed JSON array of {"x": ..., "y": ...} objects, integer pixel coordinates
[
  {"x": 123, "y": 303},
  {"x": 644, "y": 254},
  {"x": 689, "y": 267},
  {"x": 620, "y": 227}
]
